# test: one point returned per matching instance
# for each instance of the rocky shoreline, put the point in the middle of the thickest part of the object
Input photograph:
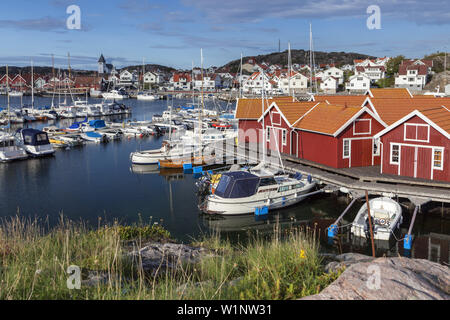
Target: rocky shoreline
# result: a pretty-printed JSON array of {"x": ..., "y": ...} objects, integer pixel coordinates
[
  {"x": 387, "y": 278},
  {"x": 363, "y": 278}
]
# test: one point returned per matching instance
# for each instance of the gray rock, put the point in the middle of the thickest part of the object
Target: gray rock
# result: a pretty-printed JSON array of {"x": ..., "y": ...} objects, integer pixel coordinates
[
  {"x": 346, "y": 260},
  {"x": 156, "y": 255},
  {"x": 399, "y": 279}
]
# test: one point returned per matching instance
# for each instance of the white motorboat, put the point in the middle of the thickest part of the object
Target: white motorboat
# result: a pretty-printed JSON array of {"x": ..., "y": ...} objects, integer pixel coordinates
[
  {"x": 36, "y": 143},
  {"x": 152, "y": 157},
  {"x": 9, "y": 151},
  {"x": 93, "y": 136},
  {"x": 115, "y": 95},
  {"x": 146, "y": 96},
  {"x": 386, "y": 217},
  {"x": 15, "y": 94},
  {"x": 257, "y": 190}
]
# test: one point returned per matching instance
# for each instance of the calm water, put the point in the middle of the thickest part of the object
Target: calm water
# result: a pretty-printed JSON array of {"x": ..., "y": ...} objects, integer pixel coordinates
[{"x": 98, "y": 181}]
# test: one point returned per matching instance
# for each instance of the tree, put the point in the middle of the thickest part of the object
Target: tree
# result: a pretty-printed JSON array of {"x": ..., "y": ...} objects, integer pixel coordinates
[{"x": 393, "y": 65}]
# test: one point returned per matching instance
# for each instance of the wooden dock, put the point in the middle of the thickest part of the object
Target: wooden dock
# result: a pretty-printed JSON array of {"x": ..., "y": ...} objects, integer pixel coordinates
[{"x": 356, "y": 180}]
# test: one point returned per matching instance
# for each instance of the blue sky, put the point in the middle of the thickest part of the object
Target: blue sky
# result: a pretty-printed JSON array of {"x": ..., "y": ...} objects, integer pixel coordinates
[{"x": 172, "y": 32}]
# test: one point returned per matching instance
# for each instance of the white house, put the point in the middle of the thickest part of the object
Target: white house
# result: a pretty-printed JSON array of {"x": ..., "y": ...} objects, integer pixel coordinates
[
  {"x": 358, "y": 83},
  {"x": 254, "y": 83},
  {"x": 152, "y": 78},
  {"x": 374, "y": 72},
  {"x": 333, "y": 72},
  {"x": 447, "y": 90},
  {"x": 298, "y": 82},
  {"x": 347, "y": 67},
  {"x": 413, "y": 74},
  {"x": 208, "y": 84},
  {"x": 181, "y": 81},
  {"x": 127, "y": 78},
  {"x": 329, "y": 84}
]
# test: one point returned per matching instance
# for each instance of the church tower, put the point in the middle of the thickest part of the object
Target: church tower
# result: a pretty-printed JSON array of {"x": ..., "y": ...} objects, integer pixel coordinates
[{"x": 101, "y": 65}]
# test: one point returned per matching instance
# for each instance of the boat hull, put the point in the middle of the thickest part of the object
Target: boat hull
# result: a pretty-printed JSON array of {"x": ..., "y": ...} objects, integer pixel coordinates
[{"x": 221, "y": 206}]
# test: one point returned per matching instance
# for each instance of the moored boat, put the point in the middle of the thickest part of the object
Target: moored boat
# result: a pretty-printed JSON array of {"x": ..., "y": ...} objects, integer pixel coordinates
[
  {"x": 36, "y": 143},
  {"x": 386, "y": 217}
]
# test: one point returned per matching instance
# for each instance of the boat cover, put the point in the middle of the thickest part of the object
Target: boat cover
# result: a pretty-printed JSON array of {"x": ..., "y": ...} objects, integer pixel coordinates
[
  {"x": 91, "y": 134},
  {"x": 97, "y": 124},
  {"x": 33, "y": 137},
  {"x": 239, "y": 184}
]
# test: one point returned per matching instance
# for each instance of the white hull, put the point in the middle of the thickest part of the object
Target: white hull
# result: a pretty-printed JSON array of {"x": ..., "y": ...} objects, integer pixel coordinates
[
  {"x": 12, "y": 153},
  {"x": 272, "y": 200},
  {"x": 40, "y": 151},
  {"x": 387, "y": 217},
  {"x": 146, "y": 98}
]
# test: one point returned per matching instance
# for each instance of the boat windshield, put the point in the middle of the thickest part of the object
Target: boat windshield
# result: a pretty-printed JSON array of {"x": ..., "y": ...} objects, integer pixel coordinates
[{"x": 238, "y": 184}]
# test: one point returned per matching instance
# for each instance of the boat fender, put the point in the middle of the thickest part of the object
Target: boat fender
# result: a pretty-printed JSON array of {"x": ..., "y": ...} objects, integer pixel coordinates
[
  {"x": 309, "y": 178},
  {"x": 407, "y": 242},
  {"x": 332, "y": 231},
  {"x": 261, "y": 211},
  {"x": 197, "y": 170}
]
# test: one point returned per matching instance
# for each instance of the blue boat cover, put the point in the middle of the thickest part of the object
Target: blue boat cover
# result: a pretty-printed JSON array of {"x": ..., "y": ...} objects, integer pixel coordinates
[
  {"x": 33, "y": 137},
  {"x": 238, "y": 184},
  {"x": 97, "y": 124},
  {"x": 92, "y": 134}
]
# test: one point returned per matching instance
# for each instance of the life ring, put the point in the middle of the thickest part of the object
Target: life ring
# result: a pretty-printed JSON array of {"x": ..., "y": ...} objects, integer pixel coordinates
[{"x": 382, "y": 222}]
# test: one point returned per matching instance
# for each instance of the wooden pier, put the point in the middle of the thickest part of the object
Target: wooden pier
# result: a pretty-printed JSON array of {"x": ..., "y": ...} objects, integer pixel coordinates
[{"x": 355, "y": 180}]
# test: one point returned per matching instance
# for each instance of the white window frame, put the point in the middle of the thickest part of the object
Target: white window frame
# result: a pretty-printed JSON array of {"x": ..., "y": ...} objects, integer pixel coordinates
[
  {"x": 349, "y": 149},
  {"x": 391, "y": 154},
  {"x": 284, "y": 137},
  {"x": 378, "y": 151},
  {"x": 362, "y": 133},
  {"x": 416, "y": 125},
  {"x": 268, "y": 128},
  {"x": 442, "y": 158}
]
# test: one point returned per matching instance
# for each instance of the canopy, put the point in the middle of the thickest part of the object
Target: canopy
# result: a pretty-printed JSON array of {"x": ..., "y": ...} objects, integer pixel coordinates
[
  {"x": 33, "y": 137},
  {"x": 239, "y": 184},
  {"x": 97, "y": 124}
]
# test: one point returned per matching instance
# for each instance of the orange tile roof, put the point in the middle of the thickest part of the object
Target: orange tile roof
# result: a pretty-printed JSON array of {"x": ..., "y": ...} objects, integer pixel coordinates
[
  {"x": 327, "y": 119},
  {"x": 440, "y": 116},
  {"x": 293, "y": 111},
  {"x": 390, "y": 93},
  {"x": 392, "y": 110},
  {"x": 340, "y": 100},
  {"x": 252, "y": 108}
]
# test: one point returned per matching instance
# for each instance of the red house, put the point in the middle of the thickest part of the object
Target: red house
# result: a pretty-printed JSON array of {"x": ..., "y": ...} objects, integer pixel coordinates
[
  {"x": 336, "y": 136},
  {"x": 418, "y": 145},
  {"x": 247, "y": 112}
]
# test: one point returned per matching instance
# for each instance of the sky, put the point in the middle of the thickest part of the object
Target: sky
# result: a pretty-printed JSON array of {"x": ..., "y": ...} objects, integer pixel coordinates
[{"x": 172, "y": 32}]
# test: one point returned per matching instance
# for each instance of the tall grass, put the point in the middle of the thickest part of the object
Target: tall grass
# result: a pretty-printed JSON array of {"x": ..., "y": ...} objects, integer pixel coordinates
[{"x": 34, "y": 262}]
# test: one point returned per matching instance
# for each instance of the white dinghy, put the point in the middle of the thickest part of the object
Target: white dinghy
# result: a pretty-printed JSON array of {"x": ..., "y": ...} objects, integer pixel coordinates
[{"x": 386, "y": 217}]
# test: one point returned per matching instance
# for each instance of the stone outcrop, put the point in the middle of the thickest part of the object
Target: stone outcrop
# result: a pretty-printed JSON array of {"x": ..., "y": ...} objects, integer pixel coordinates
[
  {"x": 386, "y": 279},
  {"x": 160, "y": 256}
]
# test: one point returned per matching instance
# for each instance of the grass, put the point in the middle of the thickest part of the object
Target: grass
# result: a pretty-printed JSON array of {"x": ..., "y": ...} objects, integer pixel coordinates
[{"x": 34, "y": 263}]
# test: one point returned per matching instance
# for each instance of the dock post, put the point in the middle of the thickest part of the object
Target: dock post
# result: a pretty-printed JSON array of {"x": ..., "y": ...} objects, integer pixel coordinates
[
  {"x": 332, "y": 229},
  {"x": 407, "y": 242}
]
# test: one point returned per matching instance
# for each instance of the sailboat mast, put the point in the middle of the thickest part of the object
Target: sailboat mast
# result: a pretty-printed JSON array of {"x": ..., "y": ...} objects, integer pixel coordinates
[
  {"x": 240, "y": 80},
  {"x": 289, "y": 68},
  {"x": 7, "y": 92},
  {"x": 263, "y": 122},
  {"x": 203, "y": 101},
  {"x": 143, "y": 73},
  {"x": 32, "y": 85},
  {"x": 192, "y": 81},
  {"x": 310, "y": 58}
]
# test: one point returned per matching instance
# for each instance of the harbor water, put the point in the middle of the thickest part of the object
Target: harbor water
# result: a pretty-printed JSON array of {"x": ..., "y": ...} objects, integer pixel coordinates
[{"x": 97, "y": 182}]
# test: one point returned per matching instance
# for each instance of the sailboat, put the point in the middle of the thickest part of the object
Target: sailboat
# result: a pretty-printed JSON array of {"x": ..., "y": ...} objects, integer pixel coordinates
[
  {"x": 9, "y": 151},
  {"x": 256, "y": 190}
]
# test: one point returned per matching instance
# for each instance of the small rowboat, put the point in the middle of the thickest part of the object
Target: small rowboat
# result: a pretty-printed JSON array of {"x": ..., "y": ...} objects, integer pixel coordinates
[
  {"x": 180, "y": 162},
  {"x": 57, "y": 143},
  {"x": 386, "y": 216}
]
